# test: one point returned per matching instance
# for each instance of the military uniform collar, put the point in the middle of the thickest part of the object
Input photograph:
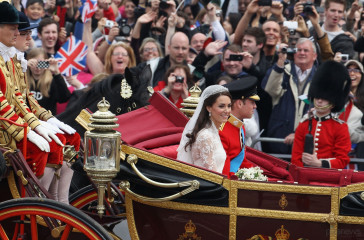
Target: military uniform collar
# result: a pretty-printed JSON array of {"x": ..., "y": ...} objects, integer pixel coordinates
[{"x": 324, "y": 118}]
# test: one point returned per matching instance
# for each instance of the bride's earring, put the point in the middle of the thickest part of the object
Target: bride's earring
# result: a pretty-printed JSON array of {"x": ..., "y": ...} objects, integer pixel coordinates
[{"x": 209, "y": 114}]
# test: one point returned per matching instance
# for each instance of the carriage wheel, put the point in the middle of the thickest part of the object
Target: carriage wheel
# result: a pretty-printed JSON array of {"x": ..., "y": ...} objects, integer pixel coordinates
[
  {"x": 20, "y": 216},
  {"x": 86, "y": 199}
]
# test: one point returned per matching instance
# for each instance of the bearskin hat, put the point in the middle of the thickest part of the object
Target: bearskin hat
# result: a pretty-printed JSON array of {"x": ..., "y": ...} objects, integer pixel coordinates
[{"x": 331, "y": 82}]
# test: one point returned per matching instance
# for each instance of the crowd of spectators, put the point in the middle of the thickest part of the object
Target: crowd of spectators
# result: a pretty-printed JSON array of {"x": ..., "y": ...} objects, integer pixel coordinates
[{"x": 171, "y": 44}]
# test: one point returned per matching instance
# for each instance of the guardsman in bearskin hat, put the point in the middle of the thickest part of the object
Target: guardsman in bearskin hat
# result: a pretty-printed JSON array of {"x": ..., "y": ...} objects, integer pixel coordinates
[
  {"x": 232, "y": 133},
  {"x": 321, "y": 139},
  {"x": 68, "y": 136}
]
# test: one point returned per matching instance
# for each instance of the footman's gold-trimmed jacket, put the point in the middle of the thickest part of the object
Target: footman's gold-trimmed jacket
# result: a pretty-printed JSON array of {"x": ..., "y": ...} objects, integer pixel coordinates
[
  {"x": 10, "y": 133},
  {"x": 21, "y": 82}
]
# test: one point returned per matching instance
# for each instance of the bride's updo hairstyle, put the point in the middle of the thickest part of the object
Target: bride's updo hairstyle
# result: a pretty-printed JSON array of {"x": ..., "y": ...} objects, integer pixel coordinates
[{"x": 203, "y": 119}]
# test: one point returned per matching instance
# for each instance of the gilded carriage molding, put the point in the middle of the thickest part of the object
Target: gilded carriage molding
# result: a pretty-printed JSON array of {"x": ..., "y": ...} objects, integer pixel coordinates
[
  {"x": 215, "y": 178},
  {"x": 356, "y": 187},
  {"x": 350, "y": 220},
  {"x": 130, "y": 216},
  {"x": 183, "y": 206}
]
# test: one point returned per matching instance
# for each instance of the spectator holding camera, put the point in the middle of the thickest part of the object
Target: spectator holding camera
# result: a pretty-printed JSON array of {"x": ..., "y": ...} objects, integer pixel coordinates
[
  {"x": 45, "y": 81},
  {"x": 175, "y": 84},
  {"x": 253, "y": 43},
  {"x": 271, "y": 28},
  {"x": 233, "y": 60},
  {"x": 340, "y": 42},
  {"x": 285, "y": 82},
  {"x": 321, "y": 37}
]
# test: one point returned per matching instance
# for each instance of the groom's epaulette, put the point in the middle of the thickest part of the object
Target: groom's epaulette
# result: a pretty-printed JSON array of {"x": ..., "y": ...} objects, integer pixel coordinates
[{"x": 235, "y": 121}]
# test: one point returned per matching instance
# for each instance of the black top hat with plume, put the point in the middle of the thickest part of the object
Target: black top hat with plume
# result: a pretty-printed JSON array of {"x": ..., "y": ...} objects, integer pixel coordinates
[
  {"x": 8, "y": 14},
  {"x": 331, "y": 82}
]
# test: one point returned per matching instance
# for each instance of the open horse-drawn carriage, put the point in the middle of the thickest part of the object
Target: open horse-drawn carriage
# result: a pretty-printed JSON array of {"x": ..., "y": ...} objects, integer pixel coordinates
[{"x": 169, "y": 199}]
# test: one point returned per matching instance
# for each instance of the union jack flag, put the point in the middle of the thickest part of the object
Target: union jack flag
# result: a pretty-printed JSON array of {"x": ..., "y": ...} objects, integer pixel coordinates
[
  {"x": 88, "y": 9},
  {"x": 72, "y": 56}
]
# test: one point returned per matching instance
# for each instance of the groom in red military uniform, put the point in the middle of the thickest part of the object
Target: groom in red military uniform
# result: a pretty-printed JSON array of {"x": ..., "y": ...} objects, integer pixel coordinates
[{"x": 232, "y": 133}]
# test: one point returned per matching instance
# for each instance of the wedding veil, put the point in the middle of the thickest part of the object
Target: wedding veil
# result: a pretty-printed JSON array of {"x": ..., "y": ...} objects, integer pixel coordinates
[{"x": 185, "y": 155}]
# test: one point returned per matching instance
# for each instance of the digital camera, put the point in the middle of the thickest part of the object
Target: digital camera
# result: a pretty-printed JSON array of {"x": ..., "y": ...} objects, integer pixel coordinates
[
  {"x": 289, "y": 50},
  {"x": 124, "y": 28},
  {"x": 179, "y": 79}
]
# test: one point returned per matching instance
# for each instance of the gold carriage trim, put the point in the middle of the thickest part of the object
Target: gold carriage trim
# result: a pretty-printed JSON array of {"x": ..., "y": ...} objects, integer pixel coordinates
[{"x": 283, "y": 203}]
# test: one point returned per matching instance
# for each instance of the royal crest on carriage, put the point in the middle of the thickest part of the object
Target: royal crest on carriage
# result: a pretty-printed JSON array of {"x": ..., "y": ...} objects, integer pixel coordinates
[{"x": 190, "y": 229}]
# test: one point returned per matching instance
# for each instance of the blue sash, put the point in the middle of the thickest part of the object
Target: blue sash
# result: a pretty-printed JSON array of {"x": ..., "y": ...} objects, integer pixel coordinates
[{"x": 236, "y": 162}]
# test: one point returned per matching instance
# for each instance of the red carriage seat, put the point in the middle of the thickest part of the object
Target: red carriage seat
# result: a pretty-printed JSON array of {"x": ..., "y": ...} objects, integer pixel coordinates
[
  {"x": 157, "y": 127},
  {"x": 324, "y": 176},
  {"x": 274, "y": 168}
]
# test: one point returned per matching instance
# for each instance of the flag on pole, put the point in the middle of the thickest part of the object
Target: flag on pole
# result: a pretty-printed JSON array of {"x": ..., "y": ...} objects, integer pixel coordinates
[
  {"x": 72, "y": 56},
  {"x": 88, "y": 9}
]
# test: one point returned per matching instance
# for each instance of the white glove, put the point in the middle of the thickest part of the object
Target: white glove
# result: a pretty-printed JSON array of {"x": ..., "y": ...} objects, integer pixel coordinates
[
  {"x": 47, "y": 134},
  {"x": 52, "y": 127},
  {"x": 41, "y": 143},
  {"x": 61, "y": 125}
]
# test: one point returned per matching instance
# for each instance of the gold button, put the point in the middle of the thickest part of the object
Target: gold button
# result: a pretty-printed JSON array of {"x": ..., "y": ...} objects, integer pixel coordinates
[{"x": 33, "y": 164}]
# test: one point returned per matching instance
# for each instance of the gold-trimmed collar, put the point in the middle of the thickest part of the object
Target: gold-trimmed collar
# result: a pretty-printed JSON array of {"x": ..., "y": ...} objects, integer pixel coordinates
[{"x": 235, "y": 121}]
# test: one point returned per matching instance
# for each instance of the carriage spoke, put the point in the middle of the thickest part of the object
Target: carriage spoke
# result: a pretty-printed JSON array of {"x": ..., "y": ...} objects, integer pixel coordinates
[
  {"x": 33, "y": 226},
  {"x": 3, "y": 234},
  {"x": 66, "y": 232}
]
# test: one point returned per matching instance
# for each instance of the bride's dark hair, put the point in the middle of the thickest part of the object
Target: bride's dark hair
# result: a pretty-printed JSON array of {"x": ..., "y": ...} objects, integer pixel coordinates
[{"x": 203, "y": 119}]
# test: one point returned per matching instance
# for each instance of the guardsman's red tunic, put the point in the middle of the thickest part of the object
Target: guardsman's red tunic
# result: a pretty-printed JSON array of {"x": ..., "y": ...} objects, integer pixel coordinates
[{"x": 331, "y": 141}]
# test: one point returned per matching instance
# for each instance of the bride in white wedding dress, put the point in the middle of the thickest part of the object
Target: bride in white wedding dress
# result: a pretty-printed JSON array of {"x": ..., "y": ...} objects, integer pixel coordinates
[{"x": 200, "y": 144}]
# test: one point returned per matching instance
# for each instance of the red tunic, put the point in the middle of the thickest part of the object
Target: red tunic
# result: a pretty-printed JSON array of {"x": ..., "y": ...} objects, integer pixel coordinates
[
  {"x": 331, "y": 141},
  {"x": 232, "y": 143}
]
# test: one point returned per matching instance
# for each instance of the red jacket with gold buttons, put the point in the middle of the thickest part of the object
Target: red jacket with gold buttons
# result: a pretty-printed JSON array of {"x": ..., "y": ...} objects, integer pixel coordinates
[
  {"x": 232, "y": 143},
  {"x": 331, "y": 141}
]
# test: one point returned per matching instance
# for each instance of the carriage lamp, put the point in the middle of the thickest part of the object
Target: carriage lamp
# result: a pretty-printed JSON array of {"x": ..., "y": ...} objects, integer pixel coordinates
[{"x": 102, "y": 150}]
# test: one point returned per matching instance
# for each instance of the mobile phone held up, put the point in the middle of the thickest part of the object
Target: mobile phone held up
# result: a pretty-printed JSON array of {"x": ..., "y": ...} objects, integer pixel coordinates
[
  {"x": 235, "y": 57},
  {"x": 43, "y": 64},
  {"x": 265, "y": 2}
]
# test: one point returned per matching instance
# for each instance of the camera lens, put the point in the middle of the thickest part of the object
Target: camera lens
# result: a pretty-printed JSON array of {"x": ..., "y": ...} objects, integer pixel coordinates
[
  {"x": 284, "y": 50},
  {"x": 179, "y": 79}
]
